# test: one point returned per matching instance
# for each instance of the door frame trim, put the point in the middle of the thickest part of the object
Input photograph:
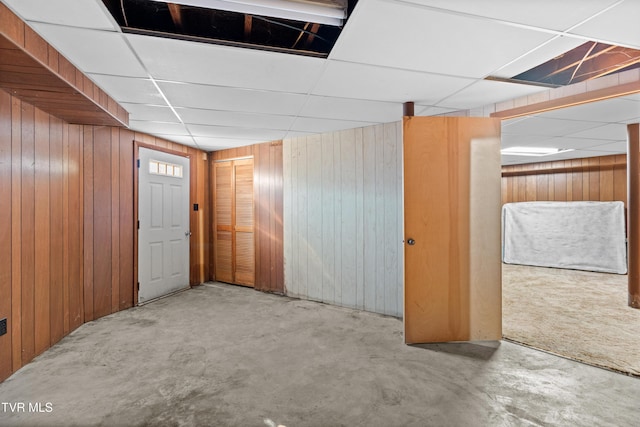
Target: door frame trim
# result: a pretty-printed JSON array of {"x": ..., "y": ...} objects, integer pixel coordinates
[{"x": 136, "y": 184}]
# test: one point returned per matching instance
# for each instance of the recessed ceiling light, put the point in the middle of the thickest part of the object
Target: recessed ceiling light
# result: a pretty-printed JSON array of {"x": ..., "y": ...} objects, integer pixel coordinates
[
  {"x": 321, "y": 12},
  {"x": 532, "y": 151}
]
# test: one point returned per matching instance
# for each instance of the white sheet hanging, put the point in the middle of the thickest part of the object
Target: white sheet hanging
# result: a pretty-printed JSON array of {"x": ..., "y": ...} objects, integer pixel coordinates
[{"x": 575, "y": 235}]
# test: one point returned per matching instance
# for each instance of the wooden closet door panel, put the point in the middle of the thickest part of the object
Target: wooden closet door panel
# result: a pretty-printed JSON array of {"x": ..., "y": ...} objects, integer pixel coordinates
[
  {"x": 224, "y": 263},
  {"x": 223, "y": 197},
  {"x": 244, "y": 195},
  {"x": 245, "y": 259},
  {"x": 223, "y": 221},
  {"x": 244, "y": 249}
]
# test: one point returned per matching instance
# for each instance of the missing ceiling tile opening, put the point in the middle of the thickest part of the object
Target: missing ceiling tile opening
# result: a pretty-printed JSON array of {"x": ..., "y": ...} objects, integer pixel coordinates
[
  {"x": 588, "y": 61},
  {"x": 182, "y": 20}
]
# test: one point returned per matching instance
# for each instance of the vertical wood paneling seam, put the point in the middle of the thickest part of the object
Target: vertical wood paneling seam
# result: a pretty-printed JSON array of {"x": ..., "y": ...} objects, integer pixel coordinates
[
  {"x": 6, "y": 231},
  {"x": 271, "y": 216},
  {"x": 360, "y": 286},
  {"x": 65, "y": 229},
  {"x": 16, "y": 233}
]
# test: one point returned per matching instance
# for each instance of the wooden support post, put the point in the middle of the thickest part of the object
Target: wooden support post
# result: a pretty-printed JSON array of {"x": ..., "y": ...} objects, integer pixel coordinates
[
  {"x": 633, "y": 213},
  {"x": 408, "y": 109}
]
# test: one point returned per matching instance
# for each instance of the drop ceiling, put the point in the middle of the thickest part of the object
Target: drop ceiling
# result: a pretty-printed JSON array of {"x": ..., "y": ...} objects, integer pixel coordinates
[{"x": 436, "y": 53}]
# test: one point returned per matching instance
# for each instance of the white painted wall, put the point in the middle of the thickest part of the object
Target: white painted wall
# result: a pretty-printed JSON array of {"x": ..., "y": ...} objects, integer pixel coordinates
[{"x": 343, "y": 218}]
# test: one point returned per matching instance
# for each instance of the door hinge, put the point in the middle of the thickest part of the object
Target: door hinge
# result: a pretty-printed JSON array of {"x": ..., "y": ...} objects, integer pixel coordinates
[
  {"x": 138, "y": 163},
  {"x": 138, "y": 224},
  {"x": 138, "y": 286}
]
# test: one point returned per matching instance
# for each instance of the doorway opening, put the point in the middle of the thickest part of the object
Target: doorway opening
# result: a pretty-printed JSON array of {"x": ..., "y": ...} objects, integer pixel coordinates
[{"x": 579, "y": 314}]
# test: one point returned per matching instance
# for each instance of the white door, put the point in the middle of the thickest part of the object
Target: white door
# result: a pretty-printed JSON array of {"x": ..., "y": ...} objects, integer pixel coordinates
[{"x": 163, "y": 235}]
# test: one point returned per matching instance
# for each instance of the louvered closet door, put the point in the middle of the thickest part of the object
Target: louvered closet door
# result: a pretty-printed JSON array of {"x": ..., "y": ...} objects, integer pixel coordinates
[
  {"x": 223, "y": 224},
  {"x": 234, "y": 222},
  {"x": 244, "y": 253}
]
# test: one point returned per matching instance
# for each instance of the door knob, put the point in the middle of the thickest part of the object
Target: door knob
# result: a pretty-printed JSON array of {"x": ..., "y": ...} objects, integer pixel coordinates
[
  {"x": 411, "y": 242},
  {"x": 187, "y": 233}
]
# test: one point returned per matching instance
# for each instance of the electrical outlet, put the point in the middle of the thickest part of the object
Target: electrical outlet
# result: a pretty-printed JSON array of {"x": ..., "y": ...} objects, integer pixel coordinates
[{"x": 3, "y": 326}]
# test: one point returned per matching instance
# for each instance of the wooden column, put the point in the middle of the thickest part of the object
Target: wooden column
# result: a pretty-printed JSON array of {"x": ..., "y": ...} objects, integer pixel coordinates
[
  {"x": 633, "y": 213},
  {"x": 408, "y": 109}
]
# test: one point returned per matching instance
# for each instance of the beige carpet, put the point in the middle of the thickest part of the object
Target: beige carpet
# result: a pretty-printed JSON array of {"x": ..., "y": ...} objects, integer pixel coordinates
[{"x": 577, "y": 314}]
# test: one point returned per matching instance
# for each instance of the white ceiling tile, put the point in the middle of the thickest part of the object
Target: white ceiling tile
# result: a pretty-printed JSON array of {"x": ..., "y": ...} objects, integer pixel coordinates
[
  {"x": 129, "y": 89},
  {"x": 93, "y": 51},
  {"x": 544, "y": 53},
  {"x": 143, "y": 112},
  {"x": 484, "y": 92},
  {"x": 359, "y": 81},
  {"x": 233, "y": 118},
  {"x": 520, "y": 160},
  {"x": 547, "y": 127},
  {"x": 155, "y": 128},
  {"x": 551, "y": 14},
  {"x": 232, "y": 99},
  {"x": 214, "y": 144},
  {"x": 513, "y": 140},
  {"x": 180, "y": 139},
  {"x": 577, "y": 154},
  {"x": 296, "y": 133},
  {"x": 352, "y": 109},
  {"x": 611, "y": 132},
  {"x": 608, "y": 111},
  {"x": 86, "y": 13},
  {"x": 416, "y": 38},
  {"x": 618, "y": 25},
  {"x": 205, "y": 63},
  {"x": 616, "y": 147},
  {"x": 572, "y": 143},
  {"x": 236, "y": 133},
  {"x": 631, "y": 121},
  {"x": 306, "y": 124},
  {"x": 430, "y": 110}
]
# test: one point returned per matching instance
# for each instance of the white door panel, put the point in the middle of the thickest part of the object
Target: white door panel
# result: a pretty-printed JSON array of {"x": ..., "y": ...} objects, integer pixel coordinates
[{"x": 163, "y": 237}]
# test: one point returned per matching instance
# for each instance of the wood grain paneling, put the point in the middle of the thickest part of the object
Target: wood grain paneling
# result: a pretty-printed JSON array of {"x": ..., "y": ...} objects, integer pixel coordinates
[
  {"x": 75, "y": 220},
  {"x": 88, "y": 194},
  {"x": 5, "y": 232},
  {"x": 126, "y": 258},
  {"x": 56, "y": 200},
  {"x": 342, "y": 218},
  {"x": 43, "y": 233},
  {"x": 102, "y": 220},
  {"x": 591, "y": 179},
  {"x": 69, "y": 230},
  {"x": 35, "y": 72},
  {"x": 268, "y": 204},
  {"x": 633, "y": 220},
  {"x": 28, "y": 266}
]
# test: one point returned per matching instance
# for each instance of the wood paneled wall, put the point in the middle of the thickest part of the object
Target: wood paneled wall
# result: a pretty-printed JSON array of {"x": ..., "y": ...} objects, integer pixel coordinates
[
  {"x": 592, "y": 179},
  {"x": 267, "y": 187},
  {"x": 343, "y": 218},
  {"x": 268, "y": 200},
  {"x": 66, "y": 226}
]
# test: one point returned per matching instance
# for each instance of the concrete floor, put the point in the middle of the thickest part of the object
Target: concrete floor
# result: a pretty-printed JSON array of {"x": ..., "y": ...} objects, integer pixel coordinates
[{"x": 219, "y": 355}]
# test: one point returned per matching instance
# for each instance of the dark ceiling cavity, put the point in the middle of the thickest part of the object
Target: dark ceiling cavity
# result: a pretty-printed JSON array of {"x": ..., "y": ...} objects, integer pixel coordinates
[
  {"x": 177, "y": 21},
  {"x": 587, "y": 61}
]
